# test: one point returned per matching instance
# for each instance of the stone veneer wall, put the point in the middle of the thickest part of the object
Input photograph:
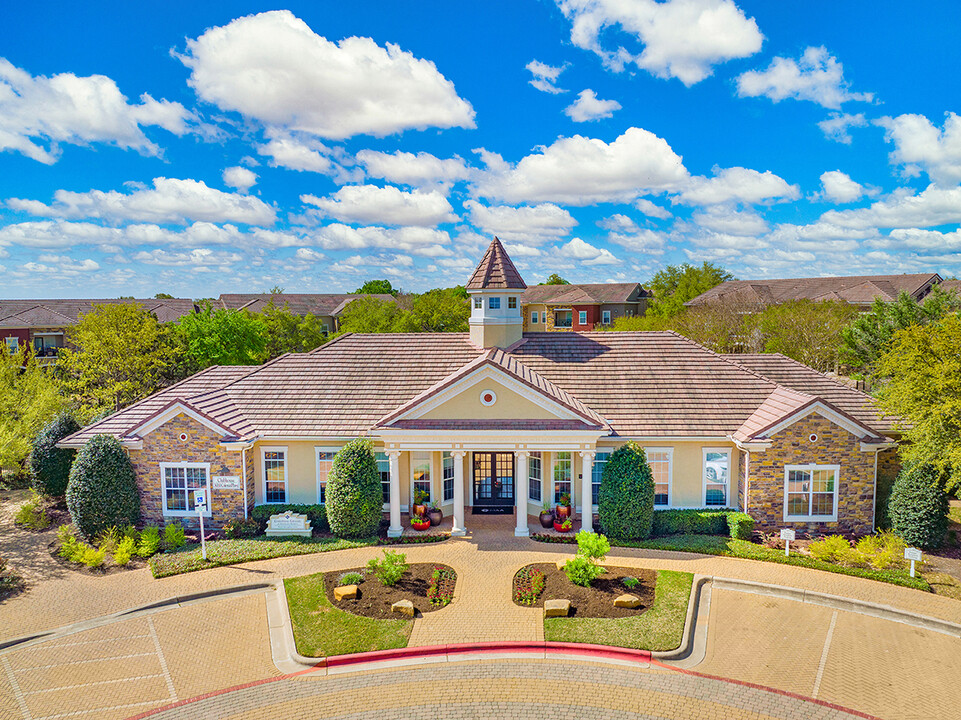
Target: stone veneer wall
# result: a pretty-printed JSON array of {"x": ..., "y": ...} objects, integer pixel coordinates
[
  {"x": 889, "y": 461},
  {"x": 792, "y": 446},
  {"x": 202, "y": 445}
]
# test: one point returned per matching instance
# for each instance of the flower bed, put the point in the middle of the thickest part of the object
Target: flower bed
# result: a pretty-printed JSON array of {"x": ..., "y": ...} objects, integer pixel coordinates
[
  {"x": 528, "y": 585},
  {"x": 594, "y": 601},
  {"x": 441, "y": 589},
  {"x": 375, "y": 598}
]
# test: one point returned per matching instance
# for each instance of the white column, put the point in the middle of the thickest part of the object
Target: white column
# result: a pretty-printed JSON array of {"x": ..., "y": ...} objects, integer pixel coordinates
[
  {"x": 395, "y": 529},
  {"x": 520, "y": 492},
  {"x": 458, "y": 528},
  {"x": 587, "y": 511}
]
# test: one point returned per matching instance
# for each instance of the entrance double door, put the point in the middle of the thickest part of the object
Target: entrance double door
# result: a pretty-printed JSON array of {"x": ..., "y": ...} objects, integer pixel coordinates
[{"x": 493, "y": 479}]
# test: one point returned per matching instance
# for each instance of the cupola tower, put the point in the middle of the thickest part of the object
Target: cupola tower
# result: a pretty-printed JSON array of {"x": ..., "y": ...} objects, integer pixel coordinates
[{"x": 495, "y": 291}]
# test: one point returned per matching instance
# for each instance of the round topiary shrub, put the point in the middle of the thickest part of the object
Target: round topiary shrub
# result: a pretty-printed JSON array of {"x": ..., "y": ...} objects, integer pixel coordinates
[
  {"x": 51, "y": 465},
  {"x": 354, "y": 500},
  {"x": 625, "y": 502},
  {"x": 918, "y": 506},
  {"x": 102, "y": 491}
]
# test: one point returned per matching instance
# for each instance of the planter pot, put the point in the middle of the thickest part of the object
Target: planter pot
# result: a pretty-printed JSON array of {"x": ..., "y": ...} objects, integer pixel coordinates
[
  {"x": 547, "y": 519},
  {"x": 416, "y": 509},
  {"x": 562, "y": 512},
  {"x": 435, "y": 517},
  {"x": 559, "y": 526},
  {"x": 421, "y": 525}
]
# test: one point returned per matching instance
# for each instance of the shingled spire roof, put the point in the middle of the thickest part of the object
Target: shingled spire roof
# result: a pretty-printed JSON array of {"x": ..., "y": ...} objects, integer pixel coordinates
[{"x": 496, "y": 271}]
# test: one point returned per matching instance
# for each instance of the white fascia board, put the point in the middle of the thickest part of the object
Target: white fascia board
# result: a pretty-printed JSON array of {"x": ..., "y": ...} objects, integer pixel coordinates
[
  {"x": 827, "y": 413},
  {"x": 171, "y": 412}
]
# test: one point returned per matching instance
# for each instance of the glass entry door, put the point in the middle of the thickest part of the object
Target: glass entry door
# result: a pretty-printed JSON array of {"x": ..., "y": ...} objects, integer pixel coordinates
[{"x": 493, "y": 478}]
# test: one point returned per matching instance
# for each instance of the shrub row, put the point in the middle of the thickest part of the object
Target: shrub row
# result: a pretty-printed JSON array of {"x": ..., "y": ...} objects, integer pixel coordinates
[
  {"x": 317, "y": 514},
  {"x": 703, "y": 522}
]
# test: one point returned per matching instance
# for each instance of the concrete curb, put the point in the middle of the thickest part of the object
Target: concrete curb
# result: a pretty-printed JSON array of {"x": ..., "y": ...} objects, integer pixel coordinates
[{"x": 694, "y": 640}]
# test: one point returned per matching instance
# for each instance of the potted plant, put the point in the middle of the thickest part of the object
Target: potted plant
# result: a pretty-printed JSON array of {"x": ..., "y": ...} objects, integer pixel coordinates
[
  {"x": 435, "y": 514},
  {"x": 563, "y": 525},
  {"x": 420, "y": 522},
  {"x": 419, "y": 507},
  {"x": 547, "y": 516},
  {"x": 563, "y": 509}
]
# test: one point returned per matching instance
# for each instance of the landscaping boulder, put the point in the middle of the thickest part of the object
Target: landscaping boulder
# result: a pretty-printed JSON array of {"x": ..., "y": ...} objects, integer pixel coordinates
[
  {"x": 557, "y": 608},
  {"x": 403, "y": 607},
  {"x": 345, "y": 592},
  {"x": 627, "y": 601}
]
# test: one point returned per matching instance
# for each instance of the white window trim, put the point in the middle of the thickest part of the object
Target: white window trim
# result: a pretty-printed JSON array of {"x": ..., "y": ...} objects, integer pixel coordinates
[
  {"x": 605, "y": 317},
  {"x": 163, "y": 489},
  {"x": 582, "y": 314},
  {"x": 317, "y": 451},
  {"x": 263, "y": 473},
  {"x": 670, "y": 473},
  {"x": 594, "y": 506},
  {"x": 534, "y": 317},
  {"x": 811, "y": 469},
  {"x": 430, "y": 462},
  {"x": 727, "y": 484},
  {"x": 570, "y": 481},
  {"x": 386, "y": 506},
  {"x": 453, "y": 478},
  {"x": 540, "y": 478}
]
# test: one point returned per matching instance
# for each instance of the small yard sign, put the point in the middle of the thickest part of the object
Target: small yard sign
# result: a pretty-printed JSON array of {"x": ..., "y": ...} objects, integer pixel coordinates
[
  {"x": 787, "y": 535},
  {"x": 200, "y": 501},
  {"x": 912, "y": 554}
]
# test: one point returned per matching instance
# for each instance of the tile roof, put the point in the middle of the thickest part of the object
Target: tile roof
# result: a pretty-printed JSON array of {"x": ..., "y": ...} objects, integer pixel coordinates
[
  {"x": 954, "y": 285},
  {"x": 857, "y": 290},
  {"x": 595, "y": 294},
  {"x": 496, "y": 271},
  {"x": 641, "y": 384},
  {"x": 298, "y": 303},
  {"x": 62, "y": 313}
]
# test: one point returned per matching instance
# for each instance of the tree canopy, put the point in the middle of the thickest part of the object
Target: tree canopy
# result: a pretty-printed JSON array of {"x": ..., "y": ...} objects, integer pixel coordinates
[
  {"x": 220, "y": 337},
  {"x": 440, "y": 310},
  {"x": 676, "y": 284},
  {"x": 554, "y": 279},
  {"x": 377, "y": 287},
  {"x": 29, "y": 397}
]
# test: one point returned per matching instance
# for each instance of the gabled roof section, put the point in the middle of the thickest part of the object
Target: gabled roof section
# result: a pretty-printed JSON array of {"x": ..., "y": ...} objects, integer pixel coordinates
[
  {"x": 172, "y": 410},
  {"x": 594, "y": 294},
  {"x": 61, "y": 313},
  {"x": 496, "y": 271},
  {"x": 297, "y": 303},
  {"x": 504, "y": 363}
]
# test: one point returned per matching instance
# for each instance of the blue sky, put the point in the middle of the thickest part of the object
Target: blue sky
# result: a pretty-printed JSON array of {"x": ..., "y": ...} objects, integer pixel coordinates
[{"x": 207, "y": 147}]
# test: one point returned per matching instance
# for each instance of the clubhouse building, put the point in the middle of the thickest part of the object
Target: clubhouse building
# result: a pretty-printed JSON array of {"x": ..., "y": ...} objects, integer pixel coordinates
[{"x": 502, "y": 420}]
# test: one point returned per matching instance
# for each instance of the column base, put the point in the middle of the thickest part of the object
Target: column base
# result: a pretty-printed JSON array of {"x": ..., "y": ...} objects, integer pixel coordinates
[
  {"x": 395, "y": 533},
  {"x": 458, "y": 532},
  {"x": 522, "y": 532}
]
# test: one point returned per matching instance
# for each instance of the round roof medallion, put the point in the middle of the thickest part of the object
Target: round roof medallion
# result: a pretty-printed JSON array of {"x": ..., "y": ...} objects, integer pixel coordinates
[
  {"x": 813, "y": 437},
  {"x": 488, "y": 397},
  {"x": 183, "y": 437}
]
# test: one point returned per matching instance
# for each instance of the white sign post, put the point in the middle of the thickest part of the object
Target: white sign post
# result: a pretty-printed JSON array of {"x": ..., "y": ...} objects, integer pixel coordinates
[
  {"x": 912, "y": 554},
  {"x": 200, "y": 502},
  {"x": 787, "y": 536}
]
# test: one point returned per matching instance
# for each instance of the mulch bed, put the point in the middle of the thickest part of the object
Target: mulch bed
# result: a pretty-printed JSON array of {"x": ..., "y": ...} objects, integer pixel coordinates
[
  {"x": 597, "y": 601},
  {"x": 375, "y": 598}
]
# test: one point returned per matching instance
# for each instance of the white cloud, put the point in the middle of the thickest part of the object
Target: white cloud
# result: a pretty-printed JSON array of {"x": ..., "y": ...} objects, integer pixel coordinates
[
  {"x": 304, "y": 154},
  {"x": 736, "y": 184},
  {"x": 240, "y": 178},
  {"x": 199, "y": 257},
  {"x": 418, "y": 170},
  {"x": 588, "y": 107},
  {"x": 587, "y": 253},
  {"x": 274, "y": 68},
  {"x": 919, "y": 145},
  {"x": 170, "y": 200},
  {"x": 545, "y": 77},
  {"x": 64, "y": 266},
  {"x": 584, "y": 171},
  {"x": 836, "y": 126},
  {"x": 652, "y": 210},
  {"x": 681, "y": 38},
  {"x": 66, "y": 108},
  {"x": 902, "y": 209},
  {"x": 429, "y": 242},
  {"x": 618, "y": 223},
  {"x": 529, "y": 225},
  {"x": 838, "y": 187},
  {"x": 817, "y": 77},
  {"x": 369, "y": 204},
  {"x": 309, "y": 254},
  {"x": 727, "y": 221},
  {"x": 918, "y": 239},
  {"x": 640, "y": 240}
]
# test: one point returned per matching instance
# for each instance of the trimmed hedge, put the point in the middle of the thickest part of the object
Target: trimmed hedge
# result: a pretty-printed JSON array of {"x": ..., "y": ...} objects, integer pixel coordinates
[
  {"x": 625, "y": 501},
  {"x": 702, "y": 522},
  {"x": 317, "y": 514},
  {"x": 354, "y": 496},
  {"x": 918, "y": 506},
  {"x": 50, "y": 464},
  {"x": 102, "y": 491}
]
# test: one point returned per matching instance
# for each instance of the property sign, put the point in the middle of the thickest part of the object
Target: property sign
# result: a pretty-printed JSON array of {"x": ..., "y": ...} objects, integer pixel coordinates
[
  {"x": 912, "y": 554},
  {"x": 226, "y": 482},
  {"x": 787, "y": 535}
]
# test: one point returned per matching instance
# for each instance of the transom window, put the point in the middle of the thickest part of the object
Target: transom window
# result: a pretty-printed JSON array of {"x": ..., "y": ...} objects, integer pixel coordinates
[
  {"x": 717, "y": 475},
  {"x": 562, "y": 475},
  {"x": 181, "y": 481},
  {"x": 659, "y": 461},
  {"x": 811, "y": 492},
  {"x": 420, "y": 472},
  {"x": 582, "y": 317},
  {"x": 606, "y": 317},
  {"x": 447, "y": 461},
  {"x": 511, "y": 303},
  {"x": 275, "y": 475},
  {"x": 534, "y": 470},
  {"x": 494, "y": 303},
  {"x": 325, "y": 461},
  {"x": 597, "y": 472},
  {"x": 383, "y": 469}
]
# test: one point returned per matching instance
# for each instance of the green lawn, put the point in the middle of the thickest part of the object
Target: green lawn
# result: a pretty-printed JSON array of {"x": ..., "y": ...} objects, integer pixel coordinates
[
  {"x": 320, "y": 629},
  {"x": 231, "y": 552},
  {"x": 660, "y": 628}
]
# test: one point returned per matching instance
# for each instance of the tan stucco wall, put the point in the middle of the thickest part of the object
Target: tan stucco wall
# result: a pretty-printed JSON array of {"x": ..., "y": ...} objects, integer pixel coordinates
[
  {"x": 508, "y": 406},
  {"x": 501, "y": 336}
]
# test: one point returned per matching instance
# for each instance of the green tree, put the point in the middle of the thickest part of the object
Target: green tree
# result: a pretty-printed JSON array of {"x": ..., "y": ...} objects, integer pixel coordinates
[
  {"x": 29, "y": 397},
  {"x": 163, "y": 296},
  {"x": 120, "y": 354},
  {"x": 102, "y": 490},
  {"x": 377, "y": 287},
  {"x": 371, "y": 315},
  {"x": 441, "y": 310},
  {"x": 353, "y": 497},
  {"x": 922, "y": 367},
  {"x": 867, "y": 336},
  {"x": 806, "y": 330},
  {"x": 918, "y": 506},
  {"x": 220, "y": 337},
  {"x": 554, "y": 279},
  {"x": 51, "y": 465},
  {"x": 676, "y": 284},
  {"x": 284, "y": 332},
  {"x": 625, "y": 503}
]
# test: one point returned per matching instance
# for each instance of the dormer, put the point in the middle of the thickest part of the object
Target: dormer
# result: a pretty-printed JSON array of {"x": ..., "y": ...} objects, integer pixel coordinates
[{"x": 495, "y": 291}]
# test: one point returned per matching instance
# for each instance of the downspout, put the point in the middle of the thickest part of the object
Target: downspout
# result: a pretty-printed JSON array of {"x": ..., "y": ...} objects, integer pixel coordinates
[
  {"x": 243, "y": 464},
  {"x": 747, "y": 477}
]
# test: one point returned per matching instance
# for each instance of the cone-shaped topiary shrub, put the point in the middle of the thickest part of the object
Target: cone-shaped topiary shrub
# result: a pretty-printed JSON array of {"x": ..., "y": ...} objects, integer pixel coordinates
[
  {"x": 354, "y": 500},
  {"x": 102, "y": 491},
  {"x": 918, "y": 506},
  {"x": 51, "y": 465},
  {"x": 625, "y": 503}
]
